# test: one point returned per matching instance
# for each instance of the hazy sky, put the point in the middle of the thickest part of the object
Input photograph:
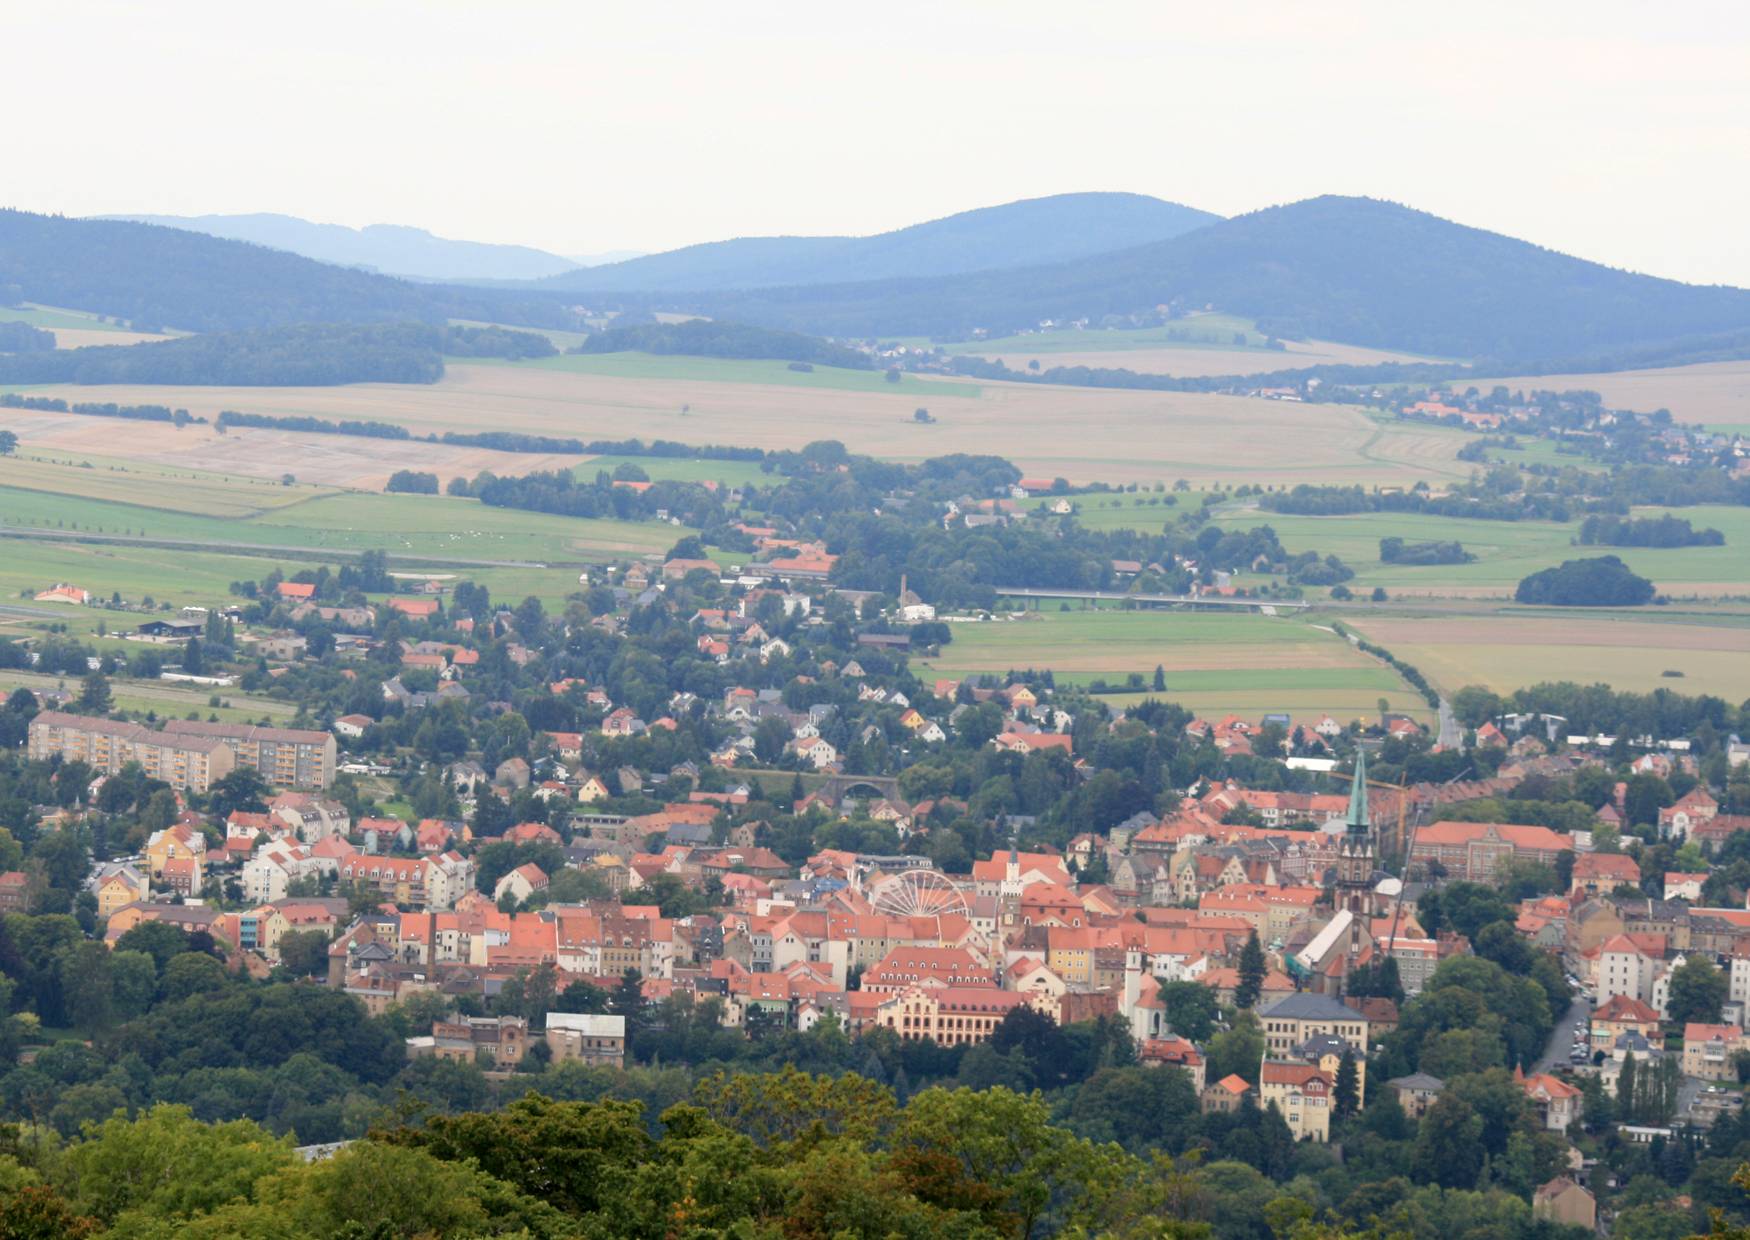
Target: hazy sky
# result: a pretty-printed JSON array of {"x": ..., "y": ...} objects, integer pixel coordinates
[{"x": 1618, "y": 130}]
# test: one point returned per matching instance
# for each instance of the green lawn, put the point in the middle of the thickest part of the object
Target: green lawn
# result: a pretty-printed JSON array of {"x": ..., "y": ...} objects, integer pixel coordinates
[
  {"x": 1506, "y": 551},
  {"x": 734, "y": 370}
]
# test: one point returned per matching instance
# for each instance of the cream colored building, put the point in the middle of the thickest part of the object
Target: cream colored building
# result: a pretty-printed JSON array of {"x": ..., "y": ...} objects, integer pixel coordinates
[
  {"x": 1302, "y": 1093},
  {"x": 185, "y": 762}
]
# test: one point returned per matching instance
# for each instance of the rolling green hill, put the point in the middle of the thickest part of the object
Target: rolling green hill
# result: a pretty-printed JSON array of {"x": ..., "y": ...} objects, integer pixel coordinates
[{"x": 1032, "y": 231}]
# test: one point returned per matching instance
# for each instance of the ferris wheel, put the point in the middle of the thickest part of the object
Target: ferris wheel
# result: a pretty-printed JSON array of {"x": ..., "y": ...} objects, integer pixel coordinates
[{"x": 919, "y": 893}]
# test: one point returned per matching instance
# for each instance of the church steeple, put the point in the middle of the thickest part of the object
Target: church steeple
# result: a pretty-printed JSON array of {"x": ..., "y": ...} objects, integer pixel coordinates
[
  {"x": 1355, "y": 855},
  {"x": 1356, "y": 819}
]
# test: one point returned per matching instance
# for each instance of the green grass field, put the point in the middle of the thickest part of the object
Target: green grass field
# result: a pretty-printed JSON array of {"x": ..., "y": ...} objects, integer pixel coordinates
[
  {"x": 735, "y": 370},
  {"x": 1202, "y": 332},
  {"x": 1214, "y": 664},
  {"x": 50, "y": 318},
  {"x": 415, "y": 525},
  {"x": 1506, "y": 551},
  {"x": 151, "y": 486},
  {"x": 163, "y": 698},
  {"x": 181, "y": 577},
  {"x": 1145, "y": 511},
  {"x": 682, "y": 469},
  {"x": 166, "y": 574},
  {"x": 561, "y": 339}
]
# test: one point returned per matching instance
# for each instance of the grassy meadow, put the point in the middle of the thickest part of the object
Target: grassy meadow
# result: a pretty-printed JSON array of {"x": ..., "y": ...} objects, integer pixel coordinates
[
  {"x": 425, "y": 526},
  {"x": 735, "y": 370},
  {"x": 682, "y": 469},
  {"x": 163, "y": 698},
  {"x": 1200, "y": 332},
  {"x": 1246, "y": 664},
  {"x": 1507, "y": 551},
  {"x": 1145, "y": 511},
  {"x": 150, "y": 485}
]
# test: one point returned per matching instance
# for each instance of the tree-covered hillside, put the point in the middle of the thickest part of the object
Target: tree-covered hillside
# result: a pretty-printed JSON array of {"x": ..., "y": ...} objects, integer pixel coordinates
[
  {"x": 1349, "y": 269},
  {"x": 708, "y": 338},
  {"x": 310, "y": 354},
  {"x": 166, "y": 277},
  {"x": 1037, "y": 230}
]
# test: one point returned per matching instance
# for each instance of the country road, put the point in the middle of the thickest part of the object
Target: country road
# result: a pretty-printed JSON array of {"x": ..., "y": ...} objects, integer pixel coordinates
[{"x": 1450, "y": 733}]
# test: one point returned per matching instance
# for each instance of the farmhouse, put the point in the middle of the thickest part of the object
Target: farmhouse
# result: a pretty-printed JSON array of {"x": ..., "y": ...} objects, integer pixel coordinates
[{"x": 61, "y": 592}]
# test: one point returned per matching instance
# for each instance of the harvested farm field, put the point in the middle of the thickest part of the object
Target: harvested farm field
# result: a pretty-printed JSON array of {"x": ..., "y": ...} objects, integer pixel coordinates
[
  {"x": 1510, "y": 651},
  {"x": 1077, "y": 433}
]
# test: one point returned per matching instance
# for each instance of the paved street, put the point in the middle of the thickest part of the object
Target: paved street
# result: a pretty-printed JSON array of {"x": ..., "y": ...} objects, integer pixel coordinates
[
  {"x": 1450, "y": 734},
  {"x": 1561, "y": 1040}
]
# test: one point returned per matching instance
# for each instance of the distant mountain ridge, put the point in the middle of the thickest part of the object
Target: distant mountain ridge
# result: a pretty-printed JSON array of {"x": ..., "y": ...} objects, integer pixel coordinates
[
  {"x": 1029, "y": 232},
  {"x": 1354, "y": 270},
  {"x": 391, "y": 249},
  {"x": 159, "y": 277}
]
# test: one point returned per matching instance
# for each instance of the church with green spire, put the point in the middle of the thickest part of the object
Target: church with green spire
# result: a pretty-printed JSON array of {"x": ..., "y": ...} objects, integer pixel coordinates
[{"x": 1356, "y": 855}]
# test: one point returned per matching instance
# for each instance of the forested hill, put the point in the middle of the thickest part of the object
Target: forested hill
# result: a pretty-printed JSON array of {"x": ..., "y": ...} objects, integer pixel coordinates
[
  {"x": 1349, "y": 269},
  {"x": 166, "y": 277},
  {"x": 708, "y": 338},
  {"x": 1033, "y": 231},
  {"x": 309, "y": 354}
]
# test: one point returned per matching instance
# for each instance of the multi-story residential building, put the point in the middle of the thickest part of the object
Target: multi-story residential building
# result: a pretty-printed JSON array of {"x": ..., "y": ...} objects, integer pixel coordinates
[
  {"x": 178, "y": 843},
  {"x": 590, "y": 1039},
  {"x": 1558, "y": 1103},
  {"x": 185, "y": 762},
  {"x": 948, "y": 1015},
  {"x": 1291, "y": 1022},
  {"x": 1301, "y": 1093},
  {"x": 285, "y": 757},
  {"x": 399, "y": 879},
  {"x": 904, "y": 967},
  {"x": 1620, "y": 1014},
  {"x": 118, "y": 886},
  {"x": 1709, "y": 1051},
  {"x": 1625, "y": 968},
  {"x": 269, "y": 874},
  {"x": 1474, "y": 850}
]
